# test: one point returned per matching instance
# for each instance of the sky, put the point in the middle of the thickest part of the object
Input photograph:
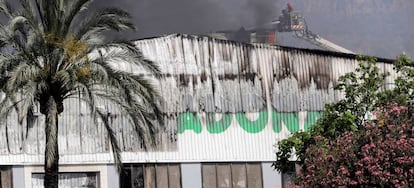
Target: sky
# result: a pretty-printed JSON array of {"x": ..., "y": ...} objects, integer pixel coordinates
[
  {"x": 157, "y": 17},
  {"x": 373, "y": 27},
  {"x": 382, "y": 28}
]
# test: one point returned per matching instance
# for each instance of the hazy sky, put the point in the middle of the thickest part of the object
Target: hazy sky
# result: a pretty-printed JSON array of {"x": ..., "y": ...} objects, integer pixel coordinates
[
  {"x": 374, "y": 27},
  {"x": 154, "y": 17}
]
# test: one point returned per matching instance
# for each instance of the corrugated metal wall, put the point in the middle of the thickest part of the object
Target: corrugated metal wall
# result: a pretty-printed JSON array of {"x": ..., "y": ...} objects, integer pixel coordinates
[{"x": 225, "y": 101}]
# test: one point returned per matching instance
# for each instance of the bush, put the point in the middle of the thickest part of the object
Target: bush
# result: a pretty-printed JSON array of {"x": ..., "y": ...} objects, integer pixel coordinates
[
  {"x": 347, "y": 149},
  {"x": 379, "y": 155}
]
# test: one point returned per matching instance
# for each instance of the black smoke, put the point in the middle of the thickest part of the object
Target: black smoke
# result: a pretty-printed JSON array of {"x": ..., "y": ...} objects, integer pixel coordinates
[
  {"x": 157, "y": 17},
  {"x": 374, "y": 27}
]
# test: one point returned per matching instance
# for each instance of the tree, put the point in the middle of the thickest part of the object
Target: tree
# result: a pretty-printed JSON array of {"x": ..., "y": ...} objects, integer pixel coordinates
[
  {"x": 380, "y": 155},
  {"x": 49, "y": 53},
  {"x": 363, "y": 93}
]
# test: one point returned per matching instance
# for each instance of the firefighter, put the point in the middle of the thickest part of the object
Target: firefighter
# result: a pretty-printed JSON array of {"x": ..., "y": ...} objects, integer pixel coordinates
[
  {"x": 290, "y": 7},
  {"x": 285, "y": 19}
]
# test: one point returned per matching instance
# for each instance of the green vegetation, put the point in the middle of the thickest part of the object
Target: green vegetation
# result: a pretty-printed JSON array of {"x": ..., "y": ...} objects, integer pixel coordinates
[{"x": 338, "y": 141}]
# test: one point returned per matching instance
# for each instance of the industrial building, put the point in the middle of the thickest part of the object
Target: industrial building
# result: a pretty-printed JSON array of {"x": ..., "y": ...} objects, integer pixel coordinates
[{"x": 226, "y": 106}]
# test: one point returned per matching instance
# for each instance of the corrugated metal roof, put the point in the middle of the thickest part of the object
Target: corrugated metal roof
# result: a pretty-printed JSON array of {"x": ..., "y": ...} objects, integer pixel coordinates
[{"x": 224, "y": 101}]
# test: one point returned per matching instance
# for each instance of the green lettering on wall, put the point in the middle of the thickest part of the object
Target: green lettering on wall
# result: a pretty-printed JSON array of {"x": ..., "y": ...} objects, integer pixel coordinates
[
  {"x": 311, "y": 118},
  {"x": 220, "y": 126},
  {"x": 253, "y": 126},
  {"x": 276, "y": 123},
  {"x": 290, "y": 119},
  {"x": 189, "y": 121}
]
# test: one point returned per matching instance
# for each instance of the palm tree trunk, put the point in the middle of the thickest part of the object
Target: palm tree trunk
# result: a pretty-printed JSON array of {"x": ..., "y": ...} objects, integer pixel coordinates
[{"x": 51, "y": 151}]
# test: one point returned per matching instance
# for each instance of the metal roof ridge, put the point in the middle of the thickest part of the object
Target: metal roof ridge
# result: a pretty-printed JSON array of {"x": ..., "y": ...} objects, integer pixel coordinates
[{"x": 317, "y": 51}]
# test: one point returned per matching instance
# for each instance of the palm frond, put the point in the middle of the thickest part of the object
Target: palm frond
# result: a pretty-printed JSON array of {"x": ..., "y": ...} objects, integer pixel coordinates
[
  {"x": 6, "y": 8},
  {"x": 104, "y": 20},
  {"x": 28, "y": 94},
  {"x": 140, "y": 116},
  {"x": 29, "y": 11},
  {"x": 97, "y": 114},
  {"x": 74, "y": 8},
  {"x": 26, "y": 44},
  {"x": 132, "y": 94},
  {"x": 127, "y": 52},
  {"x": 128, "y": 83},
  {"x": 50, "y": 11},
  {"x": 8, "y": 62},
  {"x": 40, "y": 13},
  {"x": 22, "y": 106},
  {"x": 6, "y": 107},
  {"x": 21, "y": 75},
  {"x": 116, "y": 151}
]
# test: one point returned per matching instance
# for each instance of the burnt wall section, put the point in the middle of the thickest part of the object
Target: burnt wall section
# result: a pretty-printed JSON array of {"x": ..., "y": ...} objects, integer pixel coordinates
[
  {"x": 303, "y": 81},
  {"x": 79, "y": 135},
  {"x": 203, "y": 74}
]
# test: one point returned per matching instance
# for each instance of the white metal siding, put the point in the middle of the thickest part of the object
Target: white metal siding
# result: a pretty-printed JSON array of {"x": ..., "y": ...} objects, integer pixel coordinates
[{"x": 207, "y": 80}]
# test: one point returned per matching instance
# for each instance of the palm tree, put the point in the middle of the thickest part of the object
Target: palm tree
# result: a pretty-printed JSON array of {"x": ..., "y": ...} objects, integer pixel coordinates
[{"x": 49, "y": 54}]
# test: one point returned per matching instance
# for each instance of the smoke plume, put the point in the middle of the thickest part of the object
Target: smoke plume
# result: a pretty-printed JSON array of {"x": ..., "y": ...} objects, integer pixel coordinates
[
  {"x": 373, "y": 27},
  {"x": 156, "y": 17}
]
